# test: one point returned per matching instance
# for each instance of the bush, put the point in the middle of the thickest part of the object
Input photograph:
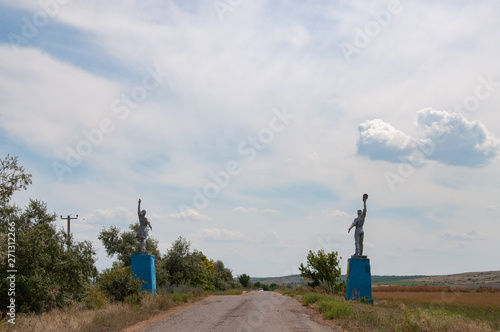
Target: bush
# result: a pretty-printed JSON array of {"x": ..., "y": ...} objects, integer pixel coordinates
[
  {"x": 119, "y": 282},
  {"x": 313, "y": 298},
  {"x": 335, "y": 308},
  {"x": 181, "y": 297},
  {"x": 171, "y": 289},
  {"x": 96, "y": 299},
  {"x": 133, "y": 299},
  {"x": 323, "y": 270}
]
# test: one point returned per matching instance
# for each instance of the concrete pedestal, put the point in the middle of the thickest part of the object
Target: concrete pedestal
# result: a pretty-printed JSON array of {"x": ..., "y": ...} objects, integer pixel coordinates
[
  {"x": 143, "y": 266},
  {"x": 359, "y": 280}
]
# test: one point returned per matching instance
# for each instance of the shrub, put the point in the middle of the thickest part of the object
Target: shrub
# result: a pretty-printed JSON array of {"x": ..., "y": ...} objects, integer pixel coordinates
[
  {"x": 133, "y": 299},
  {"x": 323, "y": 270},
  {"x": 95, "y": 299},
  {"x": 313, "y": 298},
  {"x": 119, "y": 282},
  {"x": 335, "y": 308},
  {"x": 180, "y": 297}
]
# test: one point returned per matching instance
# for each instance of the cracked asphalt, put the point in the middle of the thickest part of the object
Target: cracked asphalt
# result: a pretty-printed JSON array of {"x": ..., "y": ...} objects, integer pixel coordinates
[{"x": 252, "y": 312}]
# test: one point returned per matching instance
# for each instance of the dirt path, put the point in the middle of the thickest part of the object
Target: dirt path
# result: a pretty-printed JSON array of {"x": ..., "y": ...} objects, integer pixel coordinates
[{"x": 254, "y": 311}]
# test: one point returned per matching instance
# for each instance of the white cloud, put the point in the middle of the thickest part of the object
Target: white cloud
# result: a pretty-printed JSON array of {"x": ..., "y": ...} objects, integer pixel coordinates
[
  {"x": 313, "y": 156},
  {"x": 338, "y": 213},
  {"x": 245, "y": 210},
  {"x": 189, "y": 214},
  {"x": 470, "y": 235},
  {"x": 111, "y": 216},
  {"x": 225, "y": 79},
  {"x": 218, "y": 234},
  {"x": 53, "y": 101},
  {"x": 458, "y": 141},
  {"x": 381, "y": 141},
  {"x": 253, "y": 210},
  {"x": 270, "y": 236},
  {"x": 445, "y": 137}
]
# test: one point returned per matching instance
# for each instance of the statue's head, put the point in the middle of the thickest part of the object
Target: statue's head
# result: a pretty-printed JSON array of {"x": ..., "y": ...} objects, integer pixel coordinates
[
  {"x": 143, "y": 212},
  {"x": 359, "y": 212}
]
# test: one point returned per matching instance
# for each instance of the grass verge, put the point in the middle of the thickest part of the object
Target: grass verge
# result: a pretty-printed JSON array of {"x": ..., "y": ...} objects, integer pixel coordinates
[{"x": 397, "y": 315}]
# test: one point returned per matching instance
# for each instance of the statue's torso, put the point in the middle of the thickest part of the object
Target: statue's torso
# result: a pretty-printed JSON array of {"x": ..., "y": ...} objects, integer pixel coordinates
[{"x": 360, "y": 221}]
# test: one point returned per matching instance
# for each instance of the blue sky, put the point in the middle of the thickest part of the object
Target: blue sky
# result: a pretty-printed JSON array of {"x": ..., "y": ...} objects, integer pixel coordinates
[{"x": 253, "y": 128}]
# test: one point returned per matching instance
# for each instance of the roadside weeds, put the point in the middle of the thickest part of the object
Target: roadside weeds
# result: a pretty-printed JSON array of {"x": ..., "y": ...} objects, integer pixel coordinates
[
  {"x": 394, "y": 315},
  {"x": 113, "y": 317}
]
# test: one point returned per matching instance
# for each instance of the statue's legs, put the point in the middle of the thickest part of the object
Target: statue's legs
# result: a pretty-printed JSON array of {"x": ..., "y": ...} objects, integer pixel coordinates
[
  {"x": 143, "y": 245},
  {"x": 356, "y": 243},
  {"x": 358, "y": 239},
  {"x": 361, "y": 238}
]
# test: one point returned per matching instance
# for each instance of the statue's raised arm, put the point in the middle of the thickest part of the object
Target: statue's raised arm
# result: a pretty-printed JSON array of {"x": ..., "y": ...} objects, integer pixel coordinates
[
  {"x": 365, "y": 197},
  {"x": 139, "y": 208}
]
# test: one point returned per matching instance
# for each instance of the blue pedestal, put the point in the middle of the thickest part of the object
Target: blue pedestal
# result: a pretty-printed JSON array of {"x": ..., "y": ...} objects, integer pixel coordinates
[
  {"x": 143, "y": 266},
  {"x": 359, "y": 280}
]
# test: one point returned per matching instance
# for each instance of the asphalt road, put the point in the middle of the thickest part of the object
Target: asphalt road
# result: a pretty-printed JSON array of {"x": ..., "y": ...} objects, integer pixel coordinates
[{"x": 254, "y": 311}]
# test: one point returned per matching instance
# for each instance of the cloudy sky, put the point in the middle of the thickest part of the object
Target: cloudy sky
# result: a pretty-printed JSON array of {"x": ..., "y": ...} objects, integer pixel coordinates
[{"x": 253, "y": 128}]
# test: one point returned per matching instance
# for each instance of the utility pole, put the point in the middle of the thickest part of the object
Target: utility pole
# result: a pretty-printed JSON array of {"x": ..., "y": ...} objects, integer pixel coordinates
[{"x": 69, "y": 218}]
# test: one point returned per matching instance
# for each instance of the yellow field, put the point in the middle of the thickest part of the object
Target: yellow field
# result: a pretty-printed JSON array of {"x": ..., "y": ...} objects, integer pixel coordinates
[{"x": 484, "y": 299}]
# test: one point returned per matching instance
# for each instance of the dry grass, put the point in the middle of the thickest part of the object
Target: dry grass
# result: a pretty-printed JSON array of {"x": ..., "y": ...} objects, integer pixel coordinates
[
  {"x": 477, "y": 299},
  {"x": 435, "y": 289},
  {"x": 435, "y": 314},
  {"x": 113, "y": 317}
]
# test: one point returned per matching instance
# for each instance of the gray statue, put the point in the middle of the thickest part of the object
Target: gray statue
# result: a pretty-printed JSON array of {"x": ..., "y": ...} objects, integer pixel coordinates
[
  {"x": 359, "y": 234},
  {"x": 142, "y": 234}
]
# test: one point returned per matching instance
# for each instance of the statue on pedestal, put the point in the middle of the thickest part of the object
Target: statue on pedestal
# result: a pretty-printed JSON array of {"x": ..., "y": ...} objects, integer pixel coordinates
[
  {"x": 359, "y": 234},
  {"x": 142, "y": 234}
]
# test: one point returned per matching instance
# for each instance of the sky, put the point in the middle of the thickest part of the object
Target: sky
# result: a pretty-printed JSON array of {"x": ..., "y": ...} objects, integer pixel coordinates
[{"x": 253, "y": 128}]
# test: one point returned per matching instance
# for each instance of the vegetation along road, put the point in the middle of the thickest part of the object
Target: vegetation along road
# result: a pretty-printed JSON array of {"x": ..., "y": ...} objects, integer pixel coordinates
[{"x": 254, "y": 311}]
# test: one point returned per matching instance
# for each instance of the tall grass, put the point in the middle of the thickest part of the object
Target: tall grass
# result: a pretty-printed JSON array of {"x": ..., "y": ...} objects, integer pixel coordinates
[
  {"x": 111, "y": 317},
  {"x": 312, "y": 297},
  {"x": 396, "y": 315},
  {"x": 335, "y": 308}
]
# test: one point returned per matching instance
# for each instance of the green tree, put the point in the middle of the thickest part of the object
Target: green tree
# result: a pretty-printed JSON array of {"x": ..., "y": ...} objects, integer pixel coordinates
[
  {"x": 50, "y": 272},
  {"x": 12, "y": 178},
  {"x": 205, "y": 276},
  {"x": 223, "y": 277},
  {"x": 175, "y": 262},
  {"x": 184, "y": 266},
  {"x": 244, "y": 279},
  {"x": 323, "y": 271}
]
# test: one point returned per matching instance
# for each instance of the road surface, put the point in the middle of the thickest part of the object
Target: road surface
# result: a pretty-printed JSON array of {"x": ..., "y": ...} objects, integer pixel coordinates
[{"x": 251, "y": 312}]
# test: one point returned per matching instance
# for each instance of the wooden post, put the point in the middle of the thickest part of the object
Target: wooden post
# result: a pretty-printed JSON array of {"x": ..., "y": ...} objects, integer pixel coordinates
[{"x": 69, "y": 232}]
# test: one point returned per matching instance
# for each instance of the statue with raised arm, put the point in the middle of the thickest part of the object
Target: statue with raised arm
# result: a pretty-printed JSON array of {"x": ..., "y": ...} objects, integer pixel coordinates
[
  {"x": 359, "y": 234},
  {"x": 142, "y": 234}
]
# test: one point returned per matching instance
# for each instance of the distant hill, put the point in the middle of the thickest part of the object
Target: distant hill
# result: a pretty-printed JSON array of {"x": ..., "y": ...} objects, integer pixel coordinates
[
  {"x": 470, "y": 279},
  {"x": 290, "y": 280},
  {"x": 296, "y": 279}
]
